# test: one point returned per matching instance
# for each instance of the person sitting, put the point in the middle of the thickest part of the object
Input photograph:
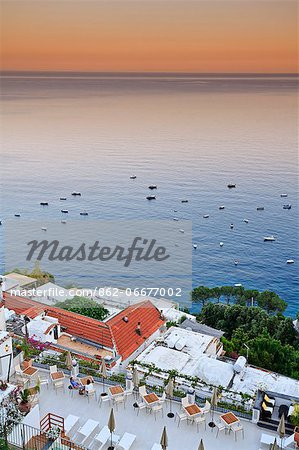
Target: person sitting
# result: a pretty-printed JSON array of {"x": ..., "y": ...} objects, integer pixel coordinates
[
  {"x": 74, "y": 384},
  {"x": 89, "y": 386}
]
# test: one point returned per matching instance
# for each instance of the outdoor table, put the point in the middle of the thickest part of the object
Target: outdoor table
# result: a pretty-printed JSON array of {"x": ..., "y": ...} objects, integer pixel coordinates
[
  {"x": 30, "y": 371},
  {"x": 55, "y": 376},
  {"x": 192, "y": 410},
  {"x": 116, "y": 390},
  {"x": 84, "y": 380},
  {"x": 151, "y": 399},
  {"x": 229, "y": 419},
  {"x": 88, "y": 428}
]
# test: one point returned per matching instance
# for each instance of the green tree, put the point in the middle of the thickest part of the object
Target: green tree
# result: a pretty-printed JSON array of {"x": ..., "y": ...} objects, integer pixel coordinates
[{"x": 84, "y": 306}]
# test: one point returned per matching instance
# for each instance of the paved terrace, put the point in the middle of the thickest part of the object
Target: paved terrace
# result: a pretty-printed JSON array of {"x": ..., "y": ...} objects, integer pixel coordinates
[{"x": 144, "y": 426}]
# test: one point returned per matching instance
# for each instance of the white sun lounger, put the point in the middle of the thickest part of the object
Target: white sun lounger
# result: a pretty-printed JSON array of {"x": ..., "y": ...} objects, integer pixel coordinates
[
  {"x": 86, "y": 430},
  {"x": 126, "y": 441},
  {"x": 102, "y": 437},
  {"x": 156, "y": 447},
  {"x": 69, "y": 423}
]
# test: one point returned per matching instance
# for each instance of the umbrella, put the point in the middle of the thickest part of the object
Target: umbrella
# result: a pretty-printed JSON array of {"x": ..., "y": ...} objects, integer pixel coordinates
[
  {"x": 214, "y": 401},
  {"x": 111, "y": 426},
  {"x": 69, "y": 360},
  {"x": 164, "y": 439},
  {"x": 169, "y": 392},
  {"x": 201, "y": 446},
  {"x": 135, "y": 378},
  {"x": 281, "y": 430},
  {"x": 103, "y": 373}
]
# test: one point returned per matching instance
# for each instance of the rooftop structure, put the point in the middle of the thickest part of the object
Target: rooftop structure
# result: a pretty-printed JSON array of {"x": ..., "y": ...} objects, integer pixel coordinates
[
  {"x": 201, "y": 328},
  {"x": 19, "y": 280}
]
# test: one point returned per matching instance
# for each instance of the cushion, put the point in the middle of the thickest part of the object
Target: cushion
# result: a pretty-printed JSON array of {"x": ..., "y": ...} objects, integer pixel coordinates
[{"x": 268, "y": 399}]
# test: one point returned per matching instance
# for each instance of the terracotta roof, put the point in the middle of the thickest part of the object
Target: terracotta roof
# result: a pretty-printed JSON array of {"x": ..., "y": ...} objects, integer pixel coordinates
[
  {"x": 124, "y": 332},
  {"x": 115, "y": 332}
]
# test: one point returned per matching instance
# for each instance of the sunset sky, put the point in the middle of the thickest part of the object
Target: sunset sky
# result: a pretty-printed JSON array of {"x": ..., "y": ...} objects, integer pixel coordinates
[{"x": 149, "y": 35}]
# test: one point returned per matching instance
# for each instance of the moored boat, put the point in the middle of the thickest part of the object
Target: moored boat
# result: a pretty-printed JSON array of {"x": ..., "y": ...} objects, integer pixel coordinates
[
  {"x": 83, "y": 213},
  {"x": 64, "y": 211},
  {"x": 153, "y": 186},
  {"x": 290, "y": 261},
  {"x": 260, "y": 208},
  {"x": 76, "y": 194},
  {"x": 269, "y": 238},
  {"x": 221, "y": 207},
  {"x": 133, "y": 177},
  {"x": 231, "y": 185},
  {"x": 289, "y": 206},
  {"x": 283, "y": 195},
  {"x": 62, "y": 198},
  {"x": 151, "y": 197},
  {"x": 44, "y": 203}
]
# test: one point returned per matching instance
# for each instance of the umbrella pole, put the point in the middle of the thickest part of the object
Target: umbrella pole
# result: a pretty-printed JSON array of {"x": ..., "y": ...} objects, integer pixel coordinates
[
  {"x": 170, "y": 414},
  {"x": 111, "y": 446},
  {"x": 212, "y": 424},
  {"x": 103, "y": 394}
]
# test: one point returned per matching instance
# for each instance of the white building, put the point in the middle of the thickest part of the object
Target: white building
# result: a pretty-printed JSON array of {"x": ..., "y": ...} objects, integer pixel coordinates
[
  {"x": 44, "y": 329},
  {"x": 6, "y": 354}
]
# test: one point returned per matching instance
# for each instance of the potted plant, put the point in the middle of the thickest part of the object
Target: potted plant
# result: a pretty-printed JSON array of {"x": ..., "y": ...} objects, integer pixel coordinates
[
  {"x": 25, "y": 347},
  {"x": 53, "y": 433},
  {"x": 3, "y": 385},
  {"x": 294, "y": 417},
  {"x": 24, "y": 405}
]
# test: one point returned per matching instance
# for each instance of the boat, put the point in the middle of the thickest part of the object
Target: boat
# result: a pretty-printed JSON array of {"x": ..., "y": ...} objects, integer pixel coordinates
[
  {"x": 269, "y": 238},
  {"x": 44, "y": 229},
  {"x": 260, "y": 208},
  {"x": 231, "y": 226},
  {"x": 175, "y": 210},
  {"x": 151, "y": 197},
  {"x": 195, "y": 246},
  {"x": 44, "y": 203},
  {"x": 221, "y": 207},
  {"x": 153, "y": 186},
  {"x": 182, "y": 231},
  {"x": 63, "y": 221},
  {"x": 231, "y": 186},
  {"x": 17, "y": 215},
  {"x": 62, "y": 198},
  {"x": 0, "y": 222},
  {"x": 283, "y": 195},
  {"x": 176, "y": 219},
  {"x": 76, "y": 194},
  {"x": 221, "y": 244},
  {"x": 184, "y": 201},
  {"x": 64, "y": 211},
  {"x": 206, "y": 216},
  {"x": 238, "y": 284},
  {"x": 133, "y": 177},
  {"x": 236, "y": 262},
  {"x": 84, "y": 213},
  {"x": 290, "y": 261},
  {"x": 289, "y": 206},
  {"x": 245, "y": 220}
]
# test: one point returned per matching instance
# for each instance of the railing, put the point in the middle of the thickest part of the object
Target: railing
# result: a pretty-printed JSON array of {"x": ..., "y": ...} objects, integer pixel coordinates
[
  {"x": 26, "y": 437},
  {"x": 51, "y": 420}
]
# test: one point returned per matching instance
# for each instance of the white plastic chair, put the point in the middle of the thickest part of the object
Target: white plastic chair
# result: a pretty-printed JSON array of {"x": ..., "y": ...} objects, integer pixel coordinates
[
  {"x": 141, "y": 405},
  {"x": 220, "y": 427},
  {"x": 181, "y": 417},
  {"x": 236, "y": 428},
  {"x": 43, "y": 381},
  {"x": 156, "y": 409},
  {"x": 53, "y": 369},
  {"x": 142, "y": 391},
  {"x": 185, "y": 402},
  {"x": 199, "y": 420},
  {"x": 162, "y": 399},
  {"x": 207, "y": 408}
]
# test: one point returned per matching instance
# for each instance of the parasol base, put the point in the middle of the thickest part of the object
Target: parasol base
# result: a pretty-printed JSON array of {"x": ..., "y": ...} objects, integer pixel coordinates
[
  {"x": 211, "y": 424},
  {"x": 111, "y": 448},
  {"x": 135, "y": 405},
  {"x": 103, "y": 394},
  {"x": 170, "y": 415}
]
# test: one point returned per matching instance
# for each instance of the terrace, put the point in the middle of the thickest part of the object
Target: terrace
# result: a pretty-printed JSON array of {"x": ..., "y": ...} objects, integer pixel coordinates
[{"x": 146, "y": 427}]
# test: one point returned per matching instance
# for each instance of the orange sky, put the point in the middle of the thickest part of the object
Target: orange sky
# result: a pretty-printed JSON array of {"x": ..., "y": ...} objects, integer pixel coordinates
[{"x": 149, "y": 35}]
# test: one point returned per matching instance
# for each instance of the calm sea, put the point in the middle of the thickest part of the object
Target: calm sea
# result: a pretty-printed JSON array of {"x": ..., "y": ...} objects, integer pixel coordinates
[{"x": 189, "y": 135}]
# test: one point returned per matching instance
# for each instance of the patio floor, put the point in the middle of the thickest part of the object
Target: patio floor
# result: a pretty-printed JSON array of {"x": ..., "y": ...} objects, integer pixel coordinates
[{"x": 144, "y": 426}]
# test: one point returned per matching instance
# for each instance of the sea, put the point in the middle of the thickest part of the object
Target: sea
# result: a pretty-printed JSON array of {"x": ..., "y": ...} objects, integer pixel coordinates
[{"x": 189, "y": 134}]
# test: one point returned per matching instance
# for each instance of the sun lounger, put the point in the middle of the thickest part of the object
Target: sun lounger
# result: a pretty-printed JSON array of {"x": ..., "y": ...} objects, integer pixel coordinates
[
  {"x": 69, "y": 423},
  {"x": 156, "y": 447},
  {"x": 126, "y": 441},
  {"x": 102, "y": 437}
]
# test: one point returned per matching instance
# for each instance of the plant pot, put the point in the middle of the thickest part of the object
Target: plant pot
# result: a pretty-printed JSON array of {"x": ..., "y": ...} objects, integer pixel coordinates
[
  {"x": 27, "y": 363},
  {"x": 24, "y": 407}
]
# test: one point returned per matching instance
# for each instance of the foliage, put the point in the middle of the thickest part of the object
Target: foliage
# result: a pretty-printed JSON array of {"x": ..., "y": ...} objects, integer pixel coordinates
[
  {"x": 84, "y": 306},
  {"x": 171, "y": 323},
  {"x": 294, "y": 418},
  {"x": 267, "y": 300},
  {"x": 53, "y": 433},
  {"x": 41, "y": 276},
  {"x": 271, "y": 339}
]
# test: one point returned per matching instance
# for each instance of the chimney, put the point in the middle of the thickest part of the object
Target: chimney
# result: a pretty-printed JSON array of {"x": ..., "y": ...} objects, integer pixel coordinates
[{"x": 138, "y": 328}]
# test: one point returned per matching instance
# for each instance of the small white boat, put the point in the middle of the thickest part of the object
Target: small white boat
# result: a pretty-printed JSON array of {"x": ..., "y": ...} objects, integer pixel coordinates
[
  {"x": 44, "y": 203},
  {"x": 17, "y": 215},
  {"x": 153, "y": 186},
  {"x": 64, "y": 211},
  {"x": 283, "y": 195},
  {"x": 231, "y": 185},
  {"x": 184, "y": 201},
  {"x": 236, "y": 262},
  {"x": 76, "y": 194},
  {"x": 290, "y": 261},
  {"x": 195, "y": 246},
  {"x": 62, "y": 198},
  {"x": 289, "y": 206},
  {"x": 84, "y": 213},
  {"x": 176, "y": 219},
  {"x": 206, "y": 216},
  {"x": 221, "y": 207},
  {"x": 238, "y": 285},
  {"x": 63, "y": 221},
  {"x": 175, "y": 210},
  {"x": 260, "y": 208},
  {"x": 182, "y": 231},
  {"x": 133, "y": 177},
  {"x": 231, "y": 226},
  {"x": 221, "y": 244},
  {"x": 245, "y": 220},
  {"x": 44, "y": 228},
  {"x": 269, "y": 238},
  {"x": 151, "y": 197}
]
